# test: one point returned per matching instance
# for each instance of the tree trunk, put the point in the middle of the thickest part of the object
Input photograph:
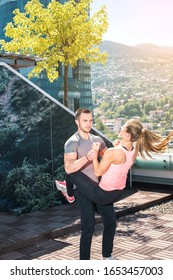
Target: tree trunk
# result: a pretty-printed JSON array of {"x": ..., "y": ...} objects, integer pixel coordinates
[{"x": 66, "y": 85}]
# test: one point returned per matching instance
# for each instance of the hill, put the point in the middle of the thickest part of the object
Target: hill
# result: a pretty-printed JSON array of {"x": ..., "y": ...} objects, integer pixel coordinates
[{"x": 115, "y": 49}]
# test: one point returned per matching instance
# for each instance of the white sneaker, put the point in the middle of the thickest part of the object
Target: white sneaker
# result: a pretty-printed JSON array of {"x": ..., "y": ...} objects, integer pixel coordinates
[
  {"x": 61, "y": 185},
  {"x": 70, "y": 199},
  {"x": 108, "y": 258}
]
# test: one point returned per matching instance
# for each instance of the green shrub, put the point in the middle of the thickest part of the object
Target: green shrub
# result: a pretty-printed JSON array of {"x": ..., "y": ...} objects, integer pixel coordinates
[{"x": 31, "y": 188}]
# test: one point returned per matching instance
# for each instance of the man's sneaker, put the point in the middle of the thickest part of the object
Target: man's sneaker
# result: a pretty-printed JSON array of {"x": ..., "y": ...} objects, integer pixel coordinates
[
  {"x": 70, "y": 199},
  {"x": 61, "y": 185},
  {"x": 108, "y": 258}
]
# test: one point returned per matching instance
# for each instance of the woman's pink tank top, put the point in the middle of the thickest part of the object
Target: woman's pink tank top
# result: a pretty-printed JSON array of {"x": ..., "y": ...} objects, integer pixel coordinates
[{"x": 115, "y": 177}]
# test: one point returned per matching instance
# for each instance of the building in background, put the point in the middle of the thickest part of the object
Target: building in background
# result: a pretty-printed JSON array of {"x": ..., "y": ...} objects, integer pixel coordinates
[{"x": 79, "y": 78}]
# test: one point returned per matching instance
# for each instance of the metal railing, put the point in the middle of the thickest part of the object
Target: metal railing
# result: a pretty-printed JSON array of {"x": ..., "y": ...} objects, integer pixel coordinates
[{"x": 157, "y": 170}]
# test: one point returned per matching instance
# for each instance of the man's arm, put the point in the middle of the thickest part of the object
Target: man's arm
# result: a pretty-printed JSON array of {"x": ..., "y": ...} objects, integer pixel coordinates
[{"x": 73, "y": 164}]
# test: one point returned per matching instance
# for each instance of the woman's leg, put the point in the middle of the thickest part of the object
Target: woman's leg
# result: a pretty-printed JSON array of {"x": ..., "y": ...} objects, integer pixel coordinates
[
  {"x": 86, "y": 185},
  {"x": 94, "y": 193},
  {"x": 69, "y": 186}
]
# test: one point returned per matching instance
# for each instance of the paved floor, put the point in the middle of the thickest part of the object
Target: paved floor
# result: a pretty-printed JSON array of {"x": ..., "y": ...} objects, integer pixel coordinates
[{"x": 54, "y": 233}]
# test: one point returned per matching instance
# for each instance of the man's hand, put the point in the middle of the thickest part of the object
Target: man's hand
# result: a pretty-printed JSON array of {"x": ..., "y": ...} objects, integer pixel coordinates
[{"x": 92, "y": 154}]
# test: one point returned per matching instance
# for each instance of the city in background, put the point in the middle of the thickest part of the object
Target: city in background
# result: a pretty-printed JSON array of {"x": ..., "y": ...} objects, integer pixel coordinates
[{"x": 135, "y": 82}]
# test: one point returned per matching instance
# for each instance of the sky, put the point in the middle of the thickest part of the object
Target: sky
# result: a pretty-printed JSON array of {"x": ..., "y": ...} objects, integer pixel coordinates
[{"x": 133, "y": 22}]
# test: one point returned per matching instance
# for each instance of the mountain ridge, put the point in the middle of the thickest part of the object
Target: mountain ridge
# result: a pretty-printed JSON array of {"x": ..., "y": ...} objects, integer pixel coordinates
[{"x": 114, "y": 48}]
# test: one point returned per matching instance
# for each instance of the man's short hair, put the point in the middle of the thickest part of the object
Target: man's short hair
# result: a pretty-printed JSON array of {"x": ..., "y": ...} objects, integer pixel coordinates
[{"x": 80, "y": 111}]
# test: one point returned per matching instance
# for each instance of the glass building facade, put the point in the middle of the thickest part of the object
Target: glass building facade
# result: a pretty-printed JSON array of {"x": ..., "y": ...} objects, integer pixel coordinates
[
  {"x": 79, "y": 78},
  {"x": 33, "y": 129}
]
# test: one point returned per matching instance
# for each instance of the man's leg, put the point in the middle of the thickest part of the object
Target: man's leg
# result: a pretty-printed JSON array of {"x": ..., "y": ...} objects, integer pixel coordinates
[
  {"x": 87, "y": 209},
  {"x": 109, "y": 222}
]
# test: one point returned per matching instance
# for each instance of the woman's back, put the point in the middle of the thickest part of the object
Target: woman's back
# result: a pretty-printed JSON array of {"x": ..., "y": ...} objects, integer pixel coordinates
[{"x": 116, "y": 175}]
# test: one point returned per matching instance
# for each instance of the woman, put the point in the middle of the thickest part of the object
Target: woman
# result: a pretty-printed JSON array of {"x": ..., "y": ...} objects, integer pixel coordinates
[{"x": 116, "y": 162}]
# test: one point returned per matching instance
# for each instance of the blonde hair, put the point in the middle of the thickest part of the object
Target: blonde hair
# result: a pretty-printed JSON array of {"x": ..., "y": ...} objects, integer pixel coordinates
[{"x": 147, "y": 142}]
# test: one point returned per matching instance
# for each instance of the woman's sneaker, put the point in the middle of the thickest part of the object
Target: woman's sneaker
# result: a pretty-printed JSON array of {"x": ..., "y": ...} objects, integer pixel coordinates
[
  {"x": 61, "y": 186},
  {"x": 70, "y": 199}
]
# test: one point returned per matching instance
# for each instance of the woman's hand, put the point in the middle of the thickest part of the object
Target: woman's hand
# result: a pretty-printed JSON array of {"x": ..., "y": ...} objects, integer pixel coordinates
[
  {"x": 96, "y": 146},
  {"x": 116, "y": 142}
]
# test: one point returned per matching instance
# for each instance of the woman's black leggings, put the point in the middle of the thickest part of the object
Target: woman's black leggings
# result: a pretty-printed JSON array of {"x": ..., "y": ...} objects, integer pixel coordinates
[{"x": 94, "y": 193}]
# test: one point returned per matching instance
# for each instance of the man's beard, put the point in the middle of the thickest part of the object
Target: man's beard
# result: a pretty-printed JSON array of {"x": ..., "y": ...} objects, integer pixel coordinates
[{"x": 85, "y": 130}]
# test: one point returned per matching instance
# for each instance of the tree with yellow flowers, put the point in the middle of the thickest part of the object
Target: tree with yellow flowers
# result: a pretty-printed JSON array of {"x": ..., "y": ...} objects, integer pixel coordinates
[{"x": 59, "y": 34}]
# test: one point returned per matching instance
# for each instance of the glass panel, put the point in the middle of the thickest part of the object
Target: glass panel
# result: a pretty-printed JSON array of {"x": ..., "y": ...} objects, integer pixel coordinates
[{"x": 33, "y": 129}]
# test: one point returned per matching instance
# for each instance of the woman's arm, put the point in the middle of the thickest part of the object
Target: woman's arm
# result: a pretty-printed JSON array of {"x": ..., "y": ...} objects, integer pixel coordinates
[
  {"x": 111, "y": 155},
  {"x": 135, "y": 154},
  {"x": 96, "y": 164},
  {"x": 101, "y": 167}
]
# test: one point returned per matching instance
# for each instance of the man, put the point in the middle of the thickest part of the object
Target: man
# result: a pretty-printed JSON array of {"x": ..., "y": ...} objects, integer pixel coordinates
[{"x": 78, "y": 155}]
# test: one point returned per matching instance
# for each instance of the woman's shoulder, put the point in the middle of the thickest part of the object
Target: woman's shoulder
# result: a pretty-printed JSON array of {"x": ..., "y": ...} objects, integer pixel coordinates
[
  {"x": 115, "y": 150},
  {"x": 116, "y": 154}
]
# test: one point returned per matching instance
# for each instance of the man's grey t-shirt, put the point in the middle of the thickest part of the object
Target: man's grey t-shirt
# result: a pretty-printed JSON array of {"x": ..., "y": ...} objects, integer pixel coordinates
[{"x": 81, "y": 146}]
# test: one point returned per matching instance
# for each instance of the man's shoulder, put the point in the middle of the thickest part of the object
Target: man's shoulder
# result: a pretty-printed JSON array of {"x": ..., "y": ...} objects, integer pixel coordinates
[
  {"x": 73, "y": 138},
  {"x": 96, "y": 138}
]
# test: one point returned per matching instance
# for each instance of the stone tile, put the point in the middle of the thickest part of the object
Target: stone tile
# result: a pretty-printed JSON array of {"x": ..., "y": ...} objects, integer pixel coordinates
[{"x": 139, "y": 236}]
